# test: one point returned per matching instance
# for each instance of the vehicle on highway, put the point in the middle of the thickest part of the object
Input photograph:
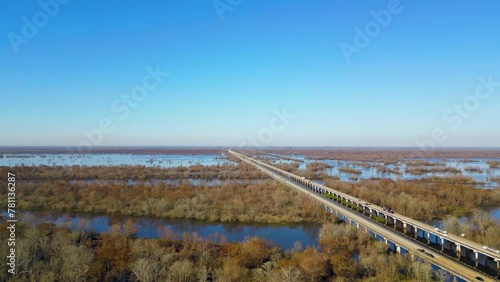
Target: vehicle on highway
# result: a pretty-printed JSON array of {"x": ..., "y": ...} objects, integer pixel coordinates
[
  {"x": 491, "y": 250},
  {"x": 441, "y": 231},
  {"x": 427, "y": 229},
  {"x": 389, "y": 210}
]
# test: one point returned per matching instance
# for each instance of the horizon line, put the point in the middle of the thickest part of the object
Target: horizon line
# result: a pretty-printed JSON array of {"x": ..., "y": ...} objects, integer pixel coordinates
[{"x": 255, "y": 147}]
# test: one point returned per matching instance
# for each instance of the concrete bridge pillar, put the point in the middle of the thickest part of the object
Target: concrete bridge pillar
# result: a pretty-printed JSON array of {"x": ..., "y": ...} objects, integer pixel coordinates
[
  {"x": 398, "y": 249},
  {"x": 428, "y": 238},
  {"x": 416, "y": 232},
  {"x": 404, "y": 227},
  {"x": 476, "y": 255},
  {"x": 498, "y": 268}
]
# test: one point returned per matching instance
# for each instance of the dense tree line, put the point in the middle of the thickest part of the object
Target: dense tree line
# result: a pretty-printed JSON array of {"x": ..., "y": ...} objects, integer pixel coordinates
[
  {"x": 385, "y": 170},
  {"x": 419, "y": 170},
  {"x": 266, "y": 201},
  {"x": 423, "y": 163},
  {"x": 222, "y": 171},
  {"x": 457, "y": 179},
  {"x": 388, "y": 155},
  {"x": 318, "y": 166},
  {"x": 50, "y": 253},
  {"x": 290, "y": 167},
  {"x": 473, "y": 169},
  {"x": 350, "y": 170},
  {"x": 480, "y": 228},
  {"x": 420, "y": 199},
  {"x": 494, "y": 164},
  {"x": 314, "y": 170}
]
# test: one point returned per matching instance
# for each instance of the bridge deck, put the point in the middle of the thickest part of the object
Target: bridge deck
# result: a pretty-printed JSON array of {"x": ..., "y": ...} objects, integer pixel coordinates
[{"x": 454, "y": 267}]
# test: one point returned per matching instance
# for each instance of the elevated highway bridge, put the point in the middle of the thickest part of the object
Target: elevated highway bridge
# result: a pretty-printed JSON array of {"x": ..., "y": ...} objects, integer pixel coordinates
[{"x": 462, "y": 258}]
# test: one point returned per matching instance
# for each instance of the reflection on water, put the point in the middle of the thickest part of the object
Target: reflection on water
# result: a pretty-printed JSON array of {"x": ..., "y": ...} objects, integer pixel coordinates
[
  {"x": 109, "y": 160},
  {"x": 282, "y": 235},
  {"x": 368, "y": 169},
  {"x": 493, "y": 212}
]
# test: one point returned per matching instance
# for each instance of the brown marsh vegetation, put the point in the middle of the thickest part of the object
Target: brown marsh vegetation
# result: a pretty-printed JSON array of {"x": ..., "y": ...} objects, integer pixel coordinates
[
  {"x": 50, "y": 253},
  {"x": 494, "y": 164},
  {"x": 473, "y": 169},
  {"x": 436, "y": 169},
  {"x": 479, "y": 227},
  {"x": 420, "y": 199},
  {"x": 388, "y": 155},
  {"x": 386, "y": 170},
  {"x": 350, "y": 170},
  {"x": 224, "y": 171},
  {"x": 266, "y": 201}
]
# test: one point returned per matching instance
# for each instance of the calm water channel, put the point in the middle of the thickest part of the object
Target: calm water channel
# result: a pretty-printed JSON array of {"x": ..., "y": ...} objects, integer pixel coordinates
[{"x": 282, "y": 235}]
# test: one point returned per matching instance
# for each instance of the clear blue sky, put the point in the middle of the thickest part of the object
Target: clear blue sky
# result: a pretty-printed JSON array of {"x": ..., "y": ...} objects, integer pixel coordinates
[{"x": 226, "y": 77}]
